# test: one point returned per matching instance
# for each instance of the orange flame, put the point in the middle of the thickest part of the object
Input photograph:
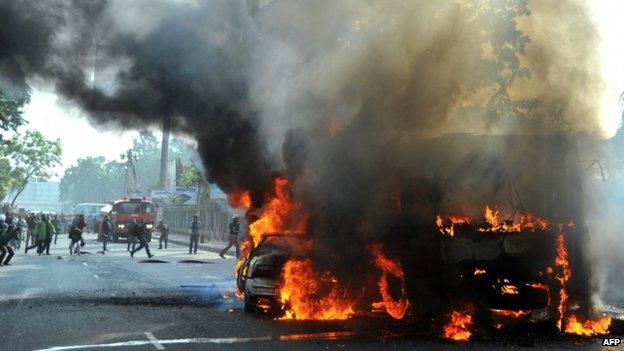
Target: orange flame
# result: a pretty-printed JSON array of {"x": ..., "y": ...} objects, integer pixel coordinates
[
  {"x": 527, "y": 222},
  {"x": 448, "y": 228},
  {"x": 239, "y": 199},
  {"x": 458, "y": 327},
  {"x": 478, "y": 271},
  {"x": 239, "y": 295},
  {"x": 573, "y": 325},
  {"x": 589, "y": 327},
  {"x": 308, "y": 295},
  {"x": 510, "y": 313},
  {"x": 281, "y": 213},
  {"x": 509, "y": 289},
  {"x": 561, "y": 261},
  {"x": 491, "y": 216},
  {"x": 395, "y": 308}
]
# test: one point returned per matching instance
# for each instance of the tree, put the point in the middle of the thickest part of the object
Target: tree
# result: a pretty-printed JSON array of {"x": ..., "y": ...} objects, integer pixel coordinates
[
  {"x": 33, "y": 158},
  {"x": 190, "y": 176},
  {"x": 494, "y": 24},
  {"x": 147, "y": 149},
  {"x": 10, "y": 113},
  {"x": 6, "y": 180},
  {"x": 92, "y": 179},
  {"x": 10, "y": 119}
]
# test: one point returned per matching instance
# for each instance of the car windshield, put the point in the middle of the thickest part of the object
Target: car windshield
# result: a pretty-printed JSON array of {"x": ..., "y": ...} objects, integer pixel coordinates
[
  {"x": 133, "y": 207},
  {"x": 286, "y": 245}
]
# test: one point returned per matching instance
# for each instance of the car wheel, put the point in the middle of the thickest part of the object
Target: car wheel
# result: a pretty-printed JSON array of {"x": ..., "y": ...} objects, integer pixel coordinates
[{"x": 250, "y": 302}]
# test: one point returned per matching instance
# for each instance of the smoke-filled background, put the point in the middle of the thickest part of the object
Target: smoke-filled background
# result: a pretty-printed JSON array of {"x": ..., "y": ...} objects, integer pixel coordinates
[{"x": 343, "y": 96}]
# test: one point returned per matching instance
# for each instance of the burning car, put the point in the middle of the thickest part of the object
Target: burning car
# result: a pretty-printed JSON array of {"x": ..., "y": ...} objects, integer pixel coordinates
[
  {"x": 447, "y": 253},
  {"x": 259, "y": 271}
]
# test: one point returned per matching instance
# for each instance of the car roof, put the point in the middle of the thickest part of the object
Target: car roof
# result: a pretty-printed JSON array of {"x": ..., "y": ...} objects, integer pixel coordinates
[
  {"x": 286, "y": 235},
  {"x": 283, "y": 235}
]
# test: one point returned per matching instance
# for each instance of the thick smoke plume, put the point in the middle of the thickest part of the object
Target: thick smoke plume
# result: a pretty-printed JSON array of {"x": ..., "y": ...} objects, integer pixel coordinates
[{"x": 349, "y": 98}]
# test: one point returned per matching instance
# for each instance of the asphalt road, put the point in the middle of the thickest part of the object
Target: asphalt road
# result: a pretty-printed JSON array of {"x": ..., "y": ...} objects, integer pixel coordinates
[{"x": 110, "y": 301}]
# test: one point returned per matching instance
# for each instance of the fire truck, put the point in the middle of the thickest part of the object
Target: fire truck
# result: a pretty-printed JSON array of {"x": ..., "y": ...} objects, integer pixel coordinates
[{"x": 127, "y": 209}]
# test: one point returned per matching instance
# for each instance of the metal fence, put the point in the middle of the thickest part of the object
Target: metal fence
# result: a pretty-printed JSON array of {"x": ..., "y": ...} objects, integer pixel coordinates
[{"x": 214, "y": 214}]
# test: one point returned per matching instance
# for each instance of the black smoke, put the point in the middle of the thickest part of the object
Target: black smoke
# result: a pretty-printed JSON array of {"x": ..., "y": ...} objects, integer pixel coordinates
[
  {"x": 256, "y": 82},
  {"x": 192, "y": 65}
]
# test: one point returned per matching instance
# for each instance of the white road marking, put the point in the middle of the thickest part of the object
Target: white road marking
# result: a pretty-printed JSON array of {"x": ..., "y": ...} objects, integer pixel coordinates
[
  {"x": 154, "y": 341},
  {"x": 162, "y": 342},
  {"x": 96, "y": 276}
]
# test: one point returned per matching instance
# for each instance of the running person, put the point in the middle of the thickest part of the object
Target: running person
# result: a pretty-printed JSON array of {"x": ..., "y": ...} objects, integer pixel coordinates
[
  {"x": 233, "y": 237},
  {"x": 141, "y": 234},
  {"x": 6, "y": 251}
]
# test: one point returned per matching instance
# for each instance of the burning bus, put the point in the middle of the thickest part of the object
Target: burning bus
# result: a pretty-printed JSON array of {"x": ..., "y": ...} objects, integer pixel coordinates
[{"x": 487, "y": 233}]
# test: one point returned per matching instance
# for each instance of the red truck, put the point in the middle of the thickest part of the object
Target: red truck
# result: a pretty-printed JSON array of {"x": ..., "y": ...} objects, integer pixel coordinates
[{"x": 127, "y": 209}]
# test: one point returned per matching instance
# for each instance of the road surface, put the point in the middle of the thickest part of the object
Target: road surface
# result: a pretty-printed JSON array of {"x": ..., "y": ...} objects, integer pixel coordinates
[{"x": 109, "y": 301}]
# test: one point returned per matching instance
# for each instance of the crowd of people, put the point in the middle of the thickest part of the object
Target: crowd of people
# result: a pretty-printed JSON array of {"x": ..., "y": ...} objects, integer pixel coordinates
[
  {"x": 39, "y": 231},
  {"x": 35, "y": 230}
]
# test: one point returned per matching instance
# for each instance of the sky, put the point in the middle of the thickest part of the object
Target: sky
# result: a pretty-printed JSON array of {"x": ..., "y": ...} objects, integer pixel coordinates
[
  {"x": 58, "y": 119},
  {"x": 607, "y": 15}
]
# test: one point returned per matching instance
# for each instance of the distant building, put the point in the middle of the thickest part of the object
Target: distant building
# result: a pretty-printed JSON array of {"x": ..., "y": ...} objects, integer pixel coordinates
[{"x": 38, "y": 196}]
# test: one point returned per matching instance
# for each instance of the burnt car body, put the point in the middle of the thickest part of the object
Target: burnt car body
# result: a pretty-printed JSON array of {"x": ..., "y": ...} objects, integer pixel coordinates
[
  {"x": 504, "y": 275},
  {"x": 258, "y": 275},
  {"x": 516, "y": 174}
]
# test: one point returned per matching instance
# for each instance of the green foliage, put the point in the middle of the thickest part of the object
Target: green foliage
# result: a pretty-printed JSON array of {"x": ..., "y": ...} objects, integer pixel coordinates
[
  {"x": 190, "y": 176},
  {"x": 93, "y": 179},
  {"x": 6, "y": 181},
  {"x": 10, "y": 114},
  {"x": 147, "y": 149},
  {"x": 32, "y": 157}
]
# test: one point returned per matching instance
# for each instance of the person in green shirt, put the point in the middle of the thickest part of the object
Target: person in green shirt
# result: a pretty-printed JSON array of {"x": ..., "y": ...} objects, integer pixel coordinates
[
  {"x": 37, "y": 242},
  {"x": 48, "y": 231},
  {"x": 44, "y": 230}
]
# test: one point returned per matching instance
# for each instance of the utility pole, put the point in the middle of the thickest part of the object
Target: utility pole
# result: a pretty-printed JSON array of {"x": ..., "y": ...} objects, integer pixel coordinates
[
  {"x": 131, "y": 184},
  {"x": 198, "y": 204},
  {"x": 164, "y": 152}
]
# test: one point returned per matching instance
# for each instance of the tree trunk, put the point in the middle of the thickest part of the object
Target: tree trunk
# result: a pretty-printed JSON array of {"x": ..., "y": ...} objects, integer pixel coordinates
[
  {"x": 22, "y": 186},
  {"x": 164, "y": 152},
  {"x": 19, "y": 192}
]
